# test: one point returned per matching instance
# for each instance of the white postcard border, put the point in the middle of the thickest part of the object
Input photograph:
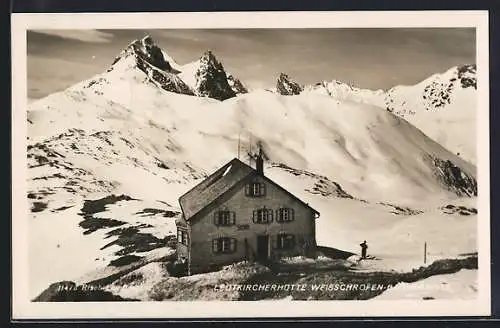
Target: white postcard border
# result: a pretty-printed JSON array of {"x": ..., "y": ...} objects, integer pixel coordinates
[{"x": 24, "y": 309}]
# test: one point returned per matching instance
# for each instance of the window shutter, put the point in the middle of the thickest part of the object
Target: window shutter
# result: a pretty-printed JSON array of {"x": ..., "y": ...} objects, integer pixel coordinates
[
  {"x": 270, "y": 215},
  {"x": 292, "y": 214},
  {"x": 262, "y": 190},
  {"x": 232, "y": 219},
  {"x": 214, "y": 246},
  {"x": 254, "y": 216},
  {"x": 216, "y": 218},
  {"x": 247, "y": 189}
]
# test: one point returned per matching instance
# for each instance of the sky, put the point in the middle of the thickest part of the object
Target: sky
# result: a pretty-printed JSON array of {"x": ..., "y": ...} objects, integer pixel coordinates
[{"x": 377, "y": 58}]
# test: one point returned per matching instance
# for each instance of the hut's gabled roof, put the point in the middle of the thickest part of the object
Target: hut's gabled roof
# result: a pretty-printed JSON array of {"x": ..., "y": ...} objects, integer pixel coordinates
[
  {"x": 214, "y": 186},
  {"x": 217, "y": 184}
]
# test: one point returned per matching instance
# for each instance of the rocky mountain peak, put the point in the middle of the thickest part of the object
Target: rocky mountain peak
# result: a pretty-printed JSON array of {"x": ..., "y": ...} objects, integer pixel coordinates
[
  {"x": 438, "y": 91},
  {"x": 209, "y": 58},
  {"x": 207, "y": 78},
  {"x": 146, "y": 52},
  {"x": 211, "y": 78},
  {"x": 148, "y": 57},
  {"x": 286, "y": 86}
]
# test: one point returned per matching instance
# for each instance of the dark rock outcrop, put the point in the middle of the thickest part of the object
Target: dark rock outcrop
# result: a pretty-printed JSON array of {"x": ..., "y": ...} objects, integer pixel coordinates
[
  {"x": 165, "y": 80},
  {"x": 467, "y": 76},
  {"x": 438, "y": 92},
  {"x": 146, "y": 50},
  {"x": 149, "y": 59},
  {"x": 454, "y": 178},
  {"x": 322, "y": 184},
  {"x": 458, "y": 209},
  {"x": 236, "y": 85},
  {"x": 287, "y": 87},
  {"x": 211, "y": 79}
]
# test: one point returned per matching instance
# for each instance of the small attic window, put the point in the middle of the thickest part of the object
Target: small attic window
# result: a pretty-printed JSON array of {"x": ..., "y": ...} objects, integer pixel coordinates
[{"x": 255, "y": 189}]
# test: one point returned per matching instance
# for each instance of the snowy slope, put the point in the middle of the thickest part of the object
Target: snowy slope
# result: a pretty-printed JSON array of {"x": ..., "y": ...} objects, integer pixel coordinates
[
  {"x": 443, "y": 106},
  {"x": 109, "y": 157},
  {"x": 366, "y": 149},
  {"x": 395, "y": 231}
]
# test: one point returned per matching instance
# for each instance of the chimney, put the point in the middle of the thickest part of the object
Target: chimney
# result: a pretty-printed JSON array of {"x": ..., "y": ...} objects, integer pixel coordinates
[{"x": 259, "y": 163}]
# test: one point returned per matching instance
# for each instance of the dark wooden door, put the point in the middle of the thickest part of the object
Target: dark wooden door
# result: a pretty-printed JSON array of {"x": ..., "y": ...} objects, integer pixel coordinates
[{"x": 262, "y": 247}]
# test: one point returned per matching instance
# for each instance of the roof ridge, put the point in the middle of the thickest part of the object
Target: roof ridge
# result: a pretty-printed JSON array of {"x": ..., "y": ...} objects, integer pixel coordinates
[
  {"x": 213, "y": 186},
  {"x": 222, "y": 194},
  {"x": 219, "y": 183},
  {"x": 208, "y": 177}
]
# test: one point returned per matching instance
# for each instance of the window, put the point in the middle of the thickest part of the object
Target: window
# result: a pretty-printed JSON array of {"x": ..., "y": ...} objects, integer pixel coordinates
[
  {"x": 284, "y": 215},
  {"x": 255, "y": 189},
  {"x": 224, "y": 218},
  {"x": 285, "y": 241},
  {"x": 182, "y": 236},
  {"x": 224, "y": 245},
  {"x": 263, "y": 215}
]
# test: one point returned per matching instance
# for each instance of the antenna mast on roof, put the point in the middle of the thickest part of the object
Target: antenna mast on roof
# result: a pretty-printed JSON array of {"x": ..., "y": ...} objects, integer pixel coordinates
[
  {"x": 239, "y": 134},
  {"x": 250, "y": 152}
]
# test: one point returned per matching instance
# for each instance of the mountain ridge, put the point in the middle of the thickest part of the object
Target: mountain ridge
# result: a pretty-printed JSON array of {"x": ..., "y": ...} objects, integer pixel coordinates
[{"x": 205, "y": 77}]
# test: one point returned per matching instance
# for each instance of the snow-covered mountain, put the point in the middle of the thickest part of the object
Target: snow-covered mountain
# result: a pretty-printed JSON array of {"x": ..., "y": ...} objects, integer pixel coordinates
[
  {"x": 109, "y": 157},
  {"x": 343, "y": 91},
  {"x": 443, "y": 106},
  {"x": 205, "y": 77}
]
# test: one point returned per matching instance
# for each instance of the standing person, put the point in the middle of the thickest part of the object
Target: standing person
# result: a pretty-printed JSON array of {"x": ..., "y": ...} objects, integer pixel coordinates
[{"x": 364, "y": 247}]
